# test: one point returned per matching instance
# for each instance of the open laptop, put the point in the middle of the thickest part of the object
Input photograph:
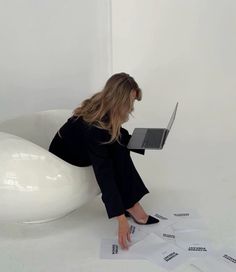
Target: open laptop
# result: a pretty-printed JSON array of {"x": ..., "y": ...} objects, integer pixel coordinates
[{"x": 151, "y": 138}]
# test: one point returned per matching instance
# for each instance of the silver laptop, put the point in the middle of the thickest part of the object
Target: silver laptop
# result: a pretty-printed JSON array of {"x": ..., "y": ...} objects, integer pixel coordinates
[{"x": 151, "y": 138}]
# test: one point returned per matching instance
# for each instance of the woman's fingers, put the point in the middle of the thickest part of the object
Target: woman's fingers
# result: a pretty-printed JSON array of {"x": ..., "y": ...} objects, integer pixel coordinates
[
  {"x": 123, "y": 242},
  {"x": 128, "y": 236},
  {"x": 124, "y": 234}
]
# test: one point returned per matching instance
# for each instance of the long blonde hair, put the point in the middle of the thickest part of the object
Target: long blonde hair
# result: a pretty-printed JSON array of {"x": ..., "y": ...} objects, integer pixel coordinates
[{"x": 104, "y": 108}]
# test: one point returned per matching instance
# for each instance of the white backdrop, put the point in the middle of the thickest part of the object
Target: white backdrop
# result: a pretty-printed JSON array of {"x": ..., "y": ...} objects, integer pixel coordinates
[
  {"x": 53, "y": 53},
  {"x": 184, "y": 51},
  {"x": 180, "y": 51}
]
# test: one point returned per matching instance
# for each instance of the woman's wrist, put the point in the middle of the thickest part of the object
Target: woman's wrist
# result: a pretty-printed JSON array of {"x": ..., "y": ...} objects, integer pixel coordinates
[{"x": 121, "y": 218}]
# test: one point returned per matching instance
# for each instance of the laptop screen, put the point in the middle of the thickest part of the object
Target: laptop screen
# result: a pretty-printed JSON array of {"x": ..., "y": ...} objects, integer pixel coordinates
[{"x": 172, "y": 118}]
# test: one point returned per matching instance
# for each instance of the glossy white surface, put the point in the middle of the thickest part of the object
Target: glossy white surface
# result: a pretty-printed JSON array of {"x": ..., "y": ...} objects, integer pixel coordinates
[{"x": 35, "y": 185}]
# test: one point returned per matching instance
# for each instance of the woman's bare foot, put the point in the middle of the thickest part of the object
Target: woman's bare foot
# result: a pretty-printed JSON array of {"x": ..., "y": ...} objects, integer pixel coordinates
[{"x": 138, "y": 213}]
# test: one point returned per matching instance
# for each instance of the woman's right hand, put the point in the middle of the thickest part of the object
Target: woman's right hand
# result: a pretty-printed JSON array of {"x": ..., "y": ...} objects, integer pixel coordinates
[{"x": 123, "y": 231}]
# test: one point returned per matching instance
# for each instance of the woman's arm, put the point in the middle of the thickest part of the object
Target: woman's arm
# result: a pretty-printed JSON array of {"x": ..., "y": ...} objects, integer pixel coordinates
[
  {"x": 126, "y": 137},
  {"x": 103, "y": 169}
]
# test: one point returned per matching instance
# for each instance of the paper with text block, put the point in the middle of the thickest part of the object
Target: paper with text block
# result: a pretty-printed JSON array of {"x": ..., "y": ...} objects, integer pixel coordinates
[
  {"x": 196, "y": 243},
  {"x": 227, "y": 256},
  {"x": 175, "y": 215},
  {"x": 210, "y": 264},
  {"x": 166, "y": 233},
  {"x": 110, "y": 249},
  {"x": 160, "y": 252}
]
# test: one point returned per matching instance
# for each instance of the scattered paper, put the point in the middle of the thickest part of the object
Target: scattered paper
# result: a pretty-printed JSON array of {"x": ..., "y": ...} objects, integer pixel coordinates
[
  {"x": 172, "y": 242},
  {"x": 110, "y": 249},
  {"x": 183, "y": 214},
  {"x": 195, "y": 243},
  {"x": 189, "y": 225},
  {"x": 227, "y": 256},
  {"x": 175, "y": 215},
  {"x": 159, "y": 252},
  {"x": 136, "y": 232},
  {"x": 166, "y": 233},
  {"x": 210, "y": 264}
]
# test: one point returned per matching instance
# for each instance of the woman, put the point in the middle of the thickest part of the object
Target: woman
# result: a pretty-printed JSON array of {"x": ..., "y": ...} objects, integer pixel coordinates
[{"x": 94, "y": 135}]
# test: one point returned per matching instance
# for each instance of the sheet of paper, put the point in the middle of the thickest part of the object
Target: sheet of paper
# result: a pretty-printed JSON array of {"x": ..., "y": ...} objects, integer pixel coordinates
[
  {"x": 185, "y": 214},
  {"x": 227, "y": 256},
  {"x": 110, "y": 249},
  {"x": 148, "y": 245},
  {"x": 196, "y": 243},
  {"x": 210, "y": 264},
  {"x": 189, "y": 225},
  {"x": 136, "y": 232},
  {"x": 169, "y": 257},
  {"x": 159, "y": 252},
  {"x": 176, "y": 214},
  {"x": 166, "y": 233}
]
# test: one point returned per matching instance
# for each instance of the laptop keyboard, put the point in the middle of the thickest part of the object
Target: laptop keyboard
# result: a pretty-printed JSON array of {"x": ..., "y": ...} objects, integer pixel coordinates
[{"x": 153, "y": 138}]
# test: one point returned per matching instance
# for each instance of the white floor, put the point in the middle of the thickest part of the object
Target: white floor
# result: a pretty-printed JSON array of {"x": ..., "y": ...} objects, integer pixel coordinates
[{"x": 201, "y": 177}]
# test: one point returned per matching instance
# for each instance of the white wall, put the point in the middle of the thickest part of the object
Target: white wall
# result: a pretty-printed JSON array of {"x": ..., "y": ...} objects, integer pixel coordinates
[
  {"x": 183, "y": 51},
  {"x": 180, "y": 51},
  {"x": 53, "y": 53}
]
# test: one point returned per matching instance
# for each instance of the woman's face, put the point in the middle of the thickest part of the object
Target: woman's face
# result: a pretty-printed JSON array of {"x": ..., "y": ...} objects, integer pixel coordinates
[{"x": 133, "y": 95}]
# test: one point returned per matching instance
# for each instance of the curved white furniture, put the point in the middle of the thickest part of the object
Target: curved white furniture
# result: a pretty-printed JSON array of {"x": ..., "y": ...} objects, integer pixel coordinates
[{"x": 35, "y": 185}]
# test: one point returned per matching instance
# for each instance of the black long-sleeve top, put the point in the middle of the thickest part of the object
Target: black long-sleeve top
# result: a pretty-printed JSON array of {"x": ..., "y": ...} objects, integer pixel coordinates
[{"x": 79, "y": 143}]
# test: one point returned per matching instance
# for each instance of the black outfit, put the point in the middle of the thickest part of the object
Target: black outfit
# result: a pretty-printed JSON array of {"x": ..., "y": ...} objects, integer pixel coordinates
[{"x": 79, "y": 144}]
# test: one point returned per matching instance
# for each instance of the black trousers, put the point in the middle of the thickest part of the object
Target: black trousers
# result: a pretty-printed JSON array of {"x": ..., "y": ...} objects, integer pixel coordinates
[{"x": 129, "y": 182}]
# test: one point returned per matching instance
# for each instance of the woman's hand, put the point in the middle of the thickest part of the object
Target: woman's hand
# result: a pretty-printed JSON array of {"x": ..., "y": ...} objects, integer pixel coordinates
[{"x": 123, "y": 231}]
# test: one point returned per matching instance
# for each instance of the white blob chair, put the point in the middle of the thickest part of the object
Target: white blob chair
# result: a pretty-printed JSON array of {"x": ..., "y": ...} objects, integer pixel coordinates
[{"x": 36, "y": 186}]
